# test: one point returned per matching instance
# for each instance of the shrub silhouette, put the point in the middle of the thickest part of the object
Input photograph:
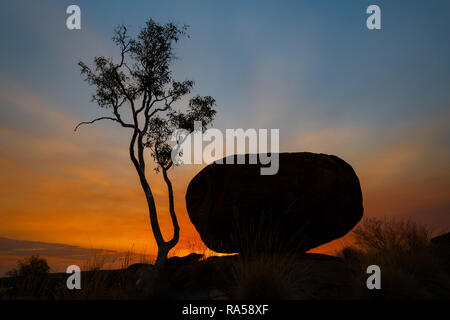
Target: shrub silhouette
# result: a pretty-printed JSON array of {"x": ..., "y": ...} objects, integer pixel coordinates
[
  {"x": 410, "y": 269},
  {"x": 31, "y": 266}
]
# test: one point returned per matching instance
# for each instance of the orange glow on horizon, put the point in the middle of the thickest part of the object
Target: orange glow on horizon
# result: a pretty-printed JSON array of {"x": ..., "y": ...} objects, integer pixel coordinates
[{"x": 80, "y": 188}]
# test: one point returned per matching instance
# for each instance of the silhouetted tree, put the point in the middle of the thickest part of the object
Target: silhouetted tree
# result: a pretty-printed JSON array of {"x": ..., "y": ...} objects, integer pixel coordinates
[
  {"x": 31, "y": 266},
  {"x": 141, "y": 87}
]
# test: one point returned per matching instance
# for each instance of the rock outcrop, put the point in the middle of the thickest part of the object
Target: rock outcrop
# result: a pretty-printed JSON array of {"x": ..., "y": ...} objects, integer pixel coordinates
[{"x": 313, "y": 199}]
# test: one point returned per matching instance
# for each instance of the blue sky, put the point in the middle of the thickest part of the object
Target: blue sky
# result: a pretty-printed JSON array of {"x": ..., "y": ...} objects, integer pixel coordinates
[
  {"x": 378, "y": 99},
  {"x": 312, "y": 56}
]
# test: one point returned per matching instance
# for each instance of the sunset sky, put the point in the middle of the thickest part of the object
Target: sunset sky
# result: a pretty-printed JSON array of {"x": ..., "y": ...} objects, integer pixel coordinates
[{"x": 378, "y": 99}]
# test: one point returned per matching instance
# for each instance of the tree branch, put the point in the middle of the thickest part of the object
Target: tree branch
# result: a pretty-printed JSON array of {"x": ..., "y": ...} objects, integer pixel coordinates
[
  {"x": 166, "y": 106},
  {"x": 95, "y": 120}
]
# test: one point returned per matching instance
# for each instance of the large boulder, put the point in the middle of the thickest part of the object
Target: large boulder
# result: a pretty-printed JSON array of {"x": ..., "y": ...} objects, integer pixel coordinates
[{"x": 313, "y": 199}]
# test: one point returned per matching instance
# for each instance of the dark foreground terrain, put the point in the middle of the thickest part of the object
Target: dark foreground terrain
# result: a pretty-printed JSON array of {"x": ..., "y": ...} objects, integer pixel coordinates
[{"x": 412, "y": 267}]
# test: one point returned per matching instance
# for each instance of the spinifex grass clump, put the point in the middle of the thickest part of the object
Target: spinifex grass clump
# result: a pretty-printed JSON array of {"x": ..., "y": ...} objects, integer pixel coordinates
[
  {"x": 410, "y": 267},
  {"x": 264, "y": 269}
]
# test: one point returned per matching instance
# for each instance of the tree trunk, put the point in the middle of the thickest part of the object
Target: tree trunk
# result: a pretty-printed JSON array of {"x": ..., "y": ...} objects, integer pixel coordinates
[
  {"x": 173, "y": 216},
  {"x": 166, "y": 246},
  {"x": 163, "y": 246},
  {"x": 140, "y": 169},
  {"x": 161, "y": 258}
]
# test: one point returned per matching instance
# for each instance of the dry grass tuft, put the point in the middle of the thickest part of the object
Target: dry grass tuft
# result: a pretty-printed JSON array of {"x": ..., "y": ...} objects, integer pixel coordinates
[
  {"x": 267, "y": 277},
  {"x": 410, "y": 267}
]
